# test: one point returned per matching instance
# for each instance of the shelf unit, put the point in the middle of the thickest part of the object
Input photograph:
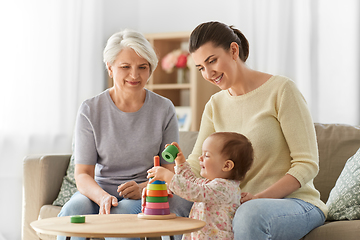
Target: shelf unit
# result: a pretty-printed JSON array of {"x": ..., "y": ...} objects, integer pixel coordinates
[{"x": 194, "y": 94}]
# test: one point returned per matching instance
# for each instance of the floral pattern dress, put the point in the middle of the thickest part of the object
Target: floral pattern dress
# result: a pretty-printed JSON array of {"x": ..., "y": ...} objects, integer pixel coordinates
[{"x": 215, "y": 202}]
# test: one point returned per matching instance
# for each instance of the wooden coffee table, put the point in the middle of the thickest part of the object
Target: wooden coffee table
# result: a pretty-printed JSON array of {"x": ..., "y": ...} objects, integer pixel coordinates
[{"x": 116, "y": 225}]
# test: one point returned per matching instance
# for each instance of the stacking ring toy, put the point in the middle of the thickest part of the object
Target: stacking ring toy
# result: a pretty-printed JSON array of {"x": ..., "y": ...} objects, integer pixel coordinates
[
  {"x": 157, "y": 193},
  {"x": 156, "y": 199},
  {"x": 149, "y": 211},
  {"x": 170, "y": 153},
  {"x": 156, "y": 187},
  {"x": 77, "y": 219}
]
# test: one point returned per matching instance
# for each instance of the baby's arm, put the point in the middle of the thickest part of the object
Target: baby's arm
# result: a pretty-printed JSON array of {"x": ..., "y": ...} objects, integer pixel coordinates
[{"x": 185, "y": 184}]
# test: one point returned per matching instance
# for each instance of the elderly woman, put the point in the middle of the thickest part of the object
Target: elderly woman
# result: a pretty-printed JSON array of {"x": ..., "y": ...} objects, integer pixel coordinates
[{"x": 119, "y": 131}]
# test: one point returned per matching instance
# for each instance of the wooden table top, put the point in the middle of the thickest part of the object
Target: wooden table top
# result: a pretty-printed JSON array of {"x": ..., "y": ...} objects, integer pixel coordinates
[{"x": 116, "y": 225}]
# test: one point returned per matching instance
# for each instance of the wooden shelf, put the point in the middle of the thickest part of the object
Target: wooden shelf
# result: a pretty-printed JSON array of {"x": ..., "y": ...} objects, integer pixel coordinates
[{"x": 197, "y": 92}]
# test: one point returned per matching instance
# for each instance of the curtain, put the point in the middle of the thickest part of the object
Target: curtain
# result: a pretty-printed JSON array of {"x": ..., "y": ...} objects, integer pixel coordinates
[
  {"x": 51, "y": 60},
  {"x": 316, "y": 44}
]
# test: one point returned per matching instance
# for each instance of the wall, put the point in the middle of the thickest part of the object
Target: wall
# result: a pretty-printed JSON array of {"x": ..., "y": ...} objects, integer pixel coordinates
[{"x": 166, "y": 16}]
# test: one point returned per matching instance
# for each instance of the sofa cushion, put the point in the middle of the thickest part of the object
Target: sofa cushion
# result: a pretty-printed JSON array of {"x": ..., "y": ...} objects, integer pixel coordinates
[
  {"x": 68, "y": 187},
  {"x": 337, "y": 143},
  {"x": 344, "y": 198},
  {"x": 348, "y": 230},
  {"x": 187, "y": 141},
  {"x": 48, "y": 211}
]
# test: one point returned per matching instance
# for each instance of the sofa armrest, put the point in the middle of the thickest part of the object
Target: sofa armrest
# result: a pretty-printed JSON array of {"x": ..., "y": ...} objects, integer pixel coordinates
[{"x": 42, "y": 179}]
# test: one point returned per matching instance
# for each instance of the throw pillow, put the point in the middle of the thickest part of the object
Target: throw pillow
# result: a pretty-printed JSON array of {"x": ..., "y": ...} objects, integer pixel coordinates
[
  {"x": 344, "y": 198},
  {"x": 68, "y": 187}
]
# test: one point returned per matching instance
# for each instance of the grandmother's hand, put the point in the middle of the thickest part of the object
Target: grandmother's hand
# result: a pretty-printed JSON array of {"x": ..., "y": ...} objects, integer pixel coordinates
[
  {"x": 106, "y": 203},
  {"x": 130, "y": 190}
]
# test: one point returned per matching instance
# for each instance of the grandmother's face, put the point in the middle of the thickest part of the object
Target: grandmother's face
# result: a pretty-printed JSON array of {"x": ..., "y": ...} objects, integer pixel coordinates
[{"x": 129, "y": 70}]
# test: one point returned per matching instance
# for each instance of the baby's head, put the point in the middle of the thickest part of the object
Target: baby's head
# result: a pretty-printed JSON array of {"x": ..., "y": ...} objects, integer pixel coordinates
[{"x": 226, "y": 155}]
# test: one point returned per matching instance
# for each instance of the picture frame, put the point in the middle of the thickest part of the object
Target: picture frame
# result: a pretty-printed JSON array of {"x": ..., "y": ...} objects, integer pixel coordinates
[{"x": 183, "y": 114}]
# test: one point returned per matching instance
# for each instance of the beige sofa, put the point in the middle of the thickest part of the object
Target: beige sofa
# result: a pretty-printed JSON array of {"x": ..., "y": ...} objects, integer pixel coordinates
[{"x": 43, "y": 177}]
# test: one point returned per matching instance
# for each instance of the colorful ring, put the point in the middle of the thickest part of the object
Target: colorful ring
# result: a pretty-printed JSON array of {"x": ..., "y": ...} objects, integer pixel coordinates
[
  {"x": 156, "y": 187},
  {"x": 170, "y": 153},
  {"x": 157, "y": 205},
  {"x": 156, "y": 211},
  {"x": 157, "y": 182},
  {"x": 77, "y": 219},
  {"x": 156, "y": 193},
  {"x": 156, "y": 199}
]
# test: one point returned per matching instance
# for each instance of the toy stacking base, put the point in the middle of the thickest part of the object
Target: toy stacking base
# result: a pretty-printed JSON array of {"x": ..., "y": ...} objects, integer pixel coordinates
[
  {"x": 157, "y": 217},
  {"x": 156, "y": 205}
]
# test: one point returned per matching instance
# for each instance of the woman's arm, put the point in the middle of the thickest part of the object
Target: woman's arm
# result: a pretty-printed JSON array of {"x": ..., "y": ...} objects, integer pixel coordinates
[
  {"x": 282, "y": 188},
  {"x": 85, "y": 182},
  {"x": 206, "y": 129}
]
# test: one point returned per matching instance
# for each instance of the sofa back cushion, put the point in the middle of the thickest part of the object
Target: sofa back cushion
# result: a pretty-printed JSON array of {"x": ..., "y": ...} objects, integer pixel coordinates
[
  {"x": 187, "y": 142},
  {"x": 336, "y": 143}
]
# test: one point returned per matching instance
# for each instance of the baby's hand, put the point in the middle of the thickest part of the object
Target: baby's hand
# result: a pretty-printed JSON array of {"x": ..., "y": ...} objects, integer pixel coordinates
[
  {"x": 143, "y": 199},
  {"x": 160, "y": 173},
  {"x": 180, "y": 156}
]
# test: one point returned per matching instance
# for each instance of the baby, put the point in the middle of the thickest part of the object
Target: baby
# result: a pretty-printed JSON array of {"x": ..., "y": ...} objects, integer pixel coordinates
[{"x": 225, "y": 159}]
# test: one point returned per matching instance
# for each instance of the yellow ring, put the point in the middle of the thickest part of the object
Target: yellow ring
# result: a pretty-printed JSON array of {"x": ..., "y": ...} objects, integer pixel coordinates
[{"x": 156, "y": 187}]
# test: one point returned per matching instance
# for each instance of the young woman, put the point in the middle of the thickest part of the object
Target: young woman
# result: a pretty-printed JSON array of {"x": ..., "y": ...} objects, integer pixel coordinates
[{"x": 279, "y": 200}]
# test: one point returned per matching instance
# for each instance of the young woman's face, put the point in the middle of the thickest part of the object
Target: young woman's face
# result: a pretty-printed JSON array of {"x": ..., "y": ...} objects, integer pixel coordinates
[
  {"x": 216, "y": 65},
  {"x": 129, "y": 70},
  {"x": 211, "y": 160}
]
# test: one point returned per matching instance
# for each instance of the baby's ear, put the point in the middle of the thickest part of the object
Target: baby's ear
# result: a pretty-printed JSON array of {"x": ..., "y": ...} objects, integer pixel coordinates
[{"x": 228, "y": 165}]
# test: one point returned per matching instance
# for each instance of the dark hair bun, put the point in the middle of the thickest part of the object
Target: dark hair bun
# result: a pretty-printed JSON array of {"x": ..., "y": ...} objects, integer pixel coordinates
[{"x": 244, "y": 43}]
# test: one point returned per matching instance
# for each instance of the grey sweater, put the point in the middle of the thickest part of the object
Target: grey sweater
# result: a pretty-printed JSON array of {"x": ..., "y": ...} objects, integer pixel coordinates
[{"x": 122, "y": 145}]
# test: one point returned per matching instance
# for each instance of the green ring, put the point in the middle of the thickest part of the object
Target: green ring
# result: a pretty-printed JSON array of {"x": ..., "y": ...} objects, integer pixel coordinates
[
  {"x": 156, "y": 199},
  {"x": 152, "y": 186},
  {"x": 77, "y": 219},
  {"x": 170, "y": 153}
]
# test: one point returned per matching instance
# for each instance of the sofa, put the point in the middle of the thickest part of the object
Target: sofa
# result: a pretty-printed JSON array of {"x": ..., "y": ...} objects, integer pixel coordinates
[{"x": 43, "y": 176}]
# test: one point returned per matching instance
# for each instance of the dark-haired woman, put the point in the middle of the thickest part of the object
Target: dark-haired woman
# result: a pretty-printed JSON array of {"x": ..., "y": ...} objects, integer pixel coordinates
[{"x": 279, "y": 200}]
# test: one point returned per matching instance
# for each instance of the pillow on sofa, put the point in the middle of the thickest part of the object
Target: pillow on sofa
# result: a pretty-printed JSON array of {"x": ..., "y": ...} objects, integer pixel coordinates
[
  {"x": 68, "y": 187},
  {"x": 344, "y": 198}
]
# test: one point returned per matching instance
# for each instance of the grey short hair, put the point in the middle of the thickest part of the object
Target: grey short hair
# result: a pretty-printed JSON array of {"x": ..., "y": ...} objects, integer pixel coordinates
[{"x": 130, "y": 39}]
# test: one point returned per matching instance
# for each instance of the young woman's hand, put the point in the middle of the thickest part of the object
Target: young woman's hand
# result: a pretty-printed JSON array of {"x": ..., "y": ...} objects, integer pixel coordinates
[
  {"x": 160, "y": 173},
  {"x": 245, "y": 196}
]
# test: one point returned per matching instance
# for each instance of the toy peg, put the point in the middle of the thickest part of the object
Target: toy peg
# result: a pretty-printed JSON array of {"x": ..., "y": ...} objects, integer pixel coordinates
[{"x": 156, "y": 161}]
